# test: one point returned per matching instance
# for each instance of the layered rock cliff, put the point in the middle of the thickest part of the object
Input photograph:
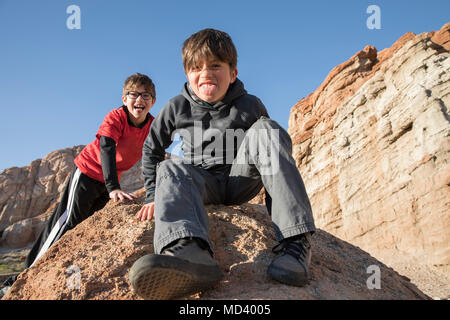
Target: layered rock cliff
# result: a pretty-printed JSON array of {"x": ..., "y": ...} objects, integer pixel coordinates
[{"x": 373, "y": 146}]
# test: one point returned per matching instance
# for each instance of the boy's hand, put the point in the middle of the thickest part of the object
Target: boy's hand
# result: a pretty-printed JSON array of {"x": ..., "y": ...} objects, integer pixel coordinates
[
  {"x": 118, "y": 194},
  {"x": 146, "y": 212}
]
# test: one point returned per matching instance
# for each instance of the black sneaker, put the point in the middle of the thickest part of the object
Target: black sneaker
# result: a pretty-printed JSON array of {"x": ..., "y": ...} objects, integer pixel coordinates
[
  {"x": 291, "y": 264},
  {"x": 4, "y": 290},
  {"x": 10, "y": 281},
  {"x": 181, "y": 270},
  {"x": 7, "y": 284}
]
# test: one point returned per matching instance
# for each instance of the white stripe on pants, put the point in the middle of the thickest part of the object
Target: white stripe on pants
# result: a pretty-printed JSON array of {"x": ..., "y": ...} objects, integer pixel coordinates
[{"x": 60, "y": 225}]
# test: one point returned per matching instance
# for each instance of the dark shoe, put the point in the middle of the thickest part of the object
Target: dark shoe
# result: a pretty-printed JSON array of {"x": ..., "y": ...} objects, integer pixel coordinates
[
  {"x": 291, "y": 264},
  {"x": 10, "y": 281},
  {"x": 7, "y": 284},
  {"x": 181, "y": 270},
  {"x": 4, "y": 290}
]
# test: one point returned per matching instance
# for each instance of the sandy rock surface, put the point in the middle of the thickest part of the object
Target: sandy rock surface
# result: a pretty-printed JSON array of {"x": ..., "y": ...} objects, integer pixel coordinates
[{"x": 92, "y": 261}]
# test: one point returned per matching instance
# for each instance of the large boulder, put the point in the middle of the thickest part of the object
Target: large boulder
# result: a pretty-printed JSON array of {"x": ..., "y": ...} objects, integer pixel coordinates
[
  {"x": 93, "y": 260},
  {"x": 29, "y": 191}
]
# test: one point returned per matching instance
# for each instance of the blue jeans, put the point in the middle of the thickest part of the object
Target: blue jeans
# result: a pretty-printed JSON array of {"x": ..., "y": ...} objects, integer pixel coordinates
[{"x": 263, "y": 159}]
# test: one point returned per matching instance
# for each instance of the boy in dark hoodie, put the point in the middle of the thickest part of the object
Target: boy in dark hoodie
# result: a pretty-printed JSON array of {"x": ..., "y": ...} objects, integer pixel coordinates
[{"x": 212, "y": 113}]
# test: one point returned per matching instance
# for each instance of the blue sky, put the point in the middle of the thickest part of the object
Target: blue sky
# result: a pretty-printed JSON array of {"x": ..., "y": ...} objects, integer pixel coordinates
[{"x": 57, "y": 84}]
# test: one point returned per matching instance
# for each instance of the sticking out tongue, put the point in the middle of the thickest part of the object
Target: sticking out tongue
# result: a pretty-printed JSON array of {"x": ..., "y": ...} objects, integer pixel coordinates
[{"x": 208, "y": 89}]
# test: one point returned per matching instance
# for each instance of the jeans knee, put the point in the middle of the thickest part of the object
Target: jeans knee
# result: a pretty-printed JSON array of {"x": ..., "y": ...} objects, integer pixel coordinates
[
  {"x": 170, "y": 167},
  {"x": 271, "y": 128}
]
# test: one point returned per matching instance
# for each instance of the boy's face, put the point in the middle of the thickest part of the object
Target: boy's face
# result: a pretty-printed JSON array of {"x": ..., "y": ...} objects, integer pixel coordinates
[
  {"x": 138, "y": 107},
  {"x": 210, "y": 79}
]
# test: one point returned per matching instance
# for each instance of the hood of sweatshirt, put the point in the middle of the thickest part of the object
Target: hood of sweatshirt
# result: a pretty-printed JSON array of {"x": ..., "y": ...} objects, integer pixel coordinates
[
  {"x": 210, "y": 135},
  {"x": 235, "y": 90}
]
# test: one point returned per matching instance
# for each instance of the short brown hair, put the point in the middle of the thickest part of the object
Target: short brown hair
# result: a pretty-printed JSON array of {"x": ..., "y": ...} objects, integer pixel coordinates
[
  {"x": 209, "y": 43},
  {"x": 136, "y": 80}
]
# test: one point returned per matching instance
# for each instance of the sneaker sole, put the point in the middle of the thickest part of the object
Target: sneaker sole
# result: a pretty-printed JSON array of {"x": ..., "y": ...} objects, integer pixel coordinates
[
  {"x": 161, "y": 277},
  {"x": 287, "y": 277}
]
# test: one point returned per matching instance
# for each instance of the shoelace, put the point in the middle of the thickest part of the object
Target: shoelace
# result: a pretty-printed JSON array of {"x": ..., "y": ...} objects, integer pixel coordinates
[{"x": 296, "y": 248}]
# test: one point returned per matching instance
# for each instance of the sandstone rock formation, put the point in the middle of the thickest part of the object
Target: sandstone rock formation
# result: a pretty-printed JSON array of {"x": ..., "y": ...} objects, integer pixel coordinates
[
  {"x": 373, "y": 146},
  {"x": 29, "y": 191},
  {"x": 29, "y": 194},
  {"x": 92, "y": 261}
]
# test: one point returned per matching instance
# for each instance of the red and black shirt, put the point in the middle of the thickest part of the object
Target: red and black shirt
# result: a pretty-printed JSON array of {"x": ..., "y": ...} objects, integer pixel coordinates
[{"x": 117, "y": 147}]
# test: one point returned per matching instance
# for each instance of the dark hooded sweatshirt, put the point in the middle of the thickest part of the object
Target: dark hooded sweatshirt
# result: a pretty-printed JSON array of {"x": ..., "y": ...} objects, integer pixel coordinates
[{"x": 211, "y": 135}]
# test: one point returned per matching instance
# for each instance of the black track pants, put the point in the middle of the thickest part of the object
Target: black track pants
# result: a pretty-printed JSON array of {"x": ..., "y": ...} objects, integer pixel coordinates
[{"x": 82, "y": 197}]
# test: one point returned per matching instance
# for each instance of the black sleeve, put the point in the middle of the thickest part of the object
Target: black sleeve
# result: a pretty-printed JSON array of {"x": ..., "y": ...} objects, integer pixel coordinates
[
  {"x": 153, "y": 152},
  {"x": 108, "y": 157}
]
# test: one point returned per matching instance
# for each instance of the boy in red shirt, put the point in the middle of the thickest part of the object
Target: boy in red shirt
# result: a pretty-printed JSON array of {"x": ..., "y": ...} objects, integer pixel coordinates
[{"x": 96, "y": 176}]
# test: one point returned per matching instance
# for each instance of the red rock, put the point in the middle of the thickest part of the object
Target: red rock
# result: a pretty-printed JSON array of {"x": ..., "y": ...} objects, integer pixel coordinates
[
  {"x": 93, "y": 260},
  {"x": 373, "y": 146}
]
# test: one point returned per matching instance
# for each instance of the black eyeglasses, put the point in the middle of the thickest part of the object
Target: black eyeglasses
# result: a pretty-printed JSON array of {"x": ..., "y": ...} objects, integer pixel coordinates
[{"x": 134, "y": 95}]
